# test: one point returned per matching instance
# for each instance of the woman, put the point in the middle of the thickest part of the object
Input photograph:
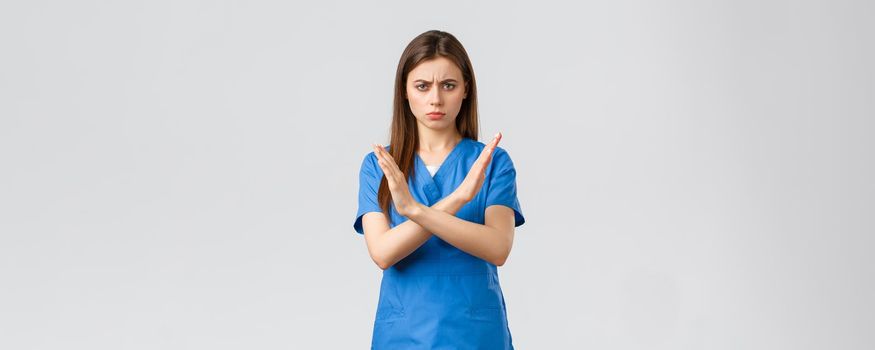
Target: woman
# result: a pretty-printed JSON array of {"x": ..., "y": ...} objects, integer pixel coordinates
[{"x": 442, "y": 218}]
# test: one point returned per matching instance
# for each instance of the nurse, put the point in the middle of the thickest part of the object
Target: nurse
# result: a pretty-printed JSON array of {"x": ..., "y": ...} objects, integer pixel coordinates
[{"x": 438, "y": 209}]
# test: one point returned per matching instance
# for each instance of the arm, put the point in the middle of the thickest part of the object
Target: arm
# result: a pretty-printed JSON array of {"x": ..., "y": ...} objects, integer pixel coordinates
[
  {"x": 491, "y": 241},
  {"x": 388, "y": 246}
]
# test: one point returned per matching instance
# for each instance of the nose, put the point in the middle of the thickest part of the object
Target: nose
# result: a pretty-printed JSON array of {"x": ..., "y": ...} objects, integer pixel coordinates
[{"x": 434, "y": 97}]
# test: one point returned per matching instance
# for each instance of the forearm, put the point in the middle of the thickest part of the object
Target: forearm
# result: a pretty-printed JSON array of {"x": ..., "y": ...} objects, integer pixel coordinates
[
  {"x": 479, "y": 240},
  {"x": 403, "y": 239}
]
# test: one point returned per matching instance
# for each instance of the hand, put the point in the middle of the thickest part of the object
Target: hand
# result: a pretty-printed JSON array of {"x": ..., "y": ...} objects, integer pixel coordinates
[
  {"x": 474, "y": 180},
  {"x": 404, "y": 202}
]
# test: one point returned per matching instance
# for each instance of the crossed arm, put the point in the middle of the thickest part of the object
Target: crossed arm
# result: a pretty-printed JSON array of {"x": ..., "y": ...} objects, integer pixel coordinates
[{"x": 491, "y": 241}]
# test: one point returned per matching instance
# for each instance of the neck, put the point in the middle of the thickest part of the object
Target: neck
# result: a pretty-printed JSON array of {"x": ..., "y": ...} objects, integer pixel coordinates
[{"x": 438, "y": 140}]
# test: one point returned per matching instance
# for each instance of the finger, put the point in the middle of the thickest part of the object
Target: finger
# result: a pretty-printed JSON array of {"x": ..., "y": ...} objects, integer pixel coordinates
[
  {"x": 495, "y": 141},
  {"x": 395, "y": 169},
  {"x": 486, "y": 154},
  {"x": 390, "y": 168},
  {"x": 381, "y": 161},
  {"x": 393, "y": 166},
  {"x": 384, "y": 155},
  {"x": 384, "y": 162},
  {"x": 377, "y": 152},
  {"x": 381, "y": 154}
]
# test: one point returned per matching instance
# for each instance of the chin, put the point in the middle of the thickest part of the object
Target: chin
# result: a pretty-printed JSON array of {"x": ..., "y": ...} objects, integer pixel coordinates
[{"x": 438, "y": 124}]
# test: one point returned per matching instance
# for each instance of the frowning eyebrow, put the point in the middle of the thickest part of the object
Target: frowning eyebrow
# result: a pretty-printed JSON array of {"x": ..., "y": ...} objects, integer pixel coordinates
[{"x": 442, "y": 81}]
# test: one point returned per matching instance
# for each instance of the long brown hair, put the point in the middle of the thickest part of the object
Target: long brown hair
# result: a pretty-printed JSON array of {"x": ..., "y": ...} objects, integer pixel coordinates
[{"x": 404, "y": 138}]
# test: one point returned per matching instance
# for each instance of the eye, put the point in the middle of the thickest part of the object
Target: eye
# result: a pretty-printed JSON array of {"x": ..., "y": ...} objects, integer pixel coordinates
[
  {"x": 420, "y": 86},
  {"x": 450, "y": 86}
]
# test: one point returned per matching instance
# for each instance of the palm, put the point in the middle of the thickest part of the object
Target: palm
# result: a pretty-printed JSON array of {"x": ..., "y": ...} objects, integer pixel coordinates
[
  {"x": 401, "y": 196},
  {"x": 477, "y": 174},
  {"x": 396, "y": 180}
]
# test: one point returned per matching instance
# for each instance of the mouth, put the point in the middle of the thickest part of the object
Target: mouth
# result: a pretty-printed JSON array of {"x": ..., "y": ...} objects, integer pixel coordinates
[{"x": 435, "y": 115}]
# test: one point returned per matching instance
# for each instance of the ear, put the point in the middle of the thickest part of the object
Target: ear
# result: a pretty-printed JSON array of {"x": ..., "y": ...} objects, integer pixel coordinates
[{"x": 466, "y": 91}]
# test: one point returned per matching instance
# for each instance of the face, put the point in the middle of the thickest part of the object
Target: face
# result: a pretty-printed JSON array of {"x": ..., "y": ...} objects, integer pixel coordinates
[{"x": 436, "y": 85}]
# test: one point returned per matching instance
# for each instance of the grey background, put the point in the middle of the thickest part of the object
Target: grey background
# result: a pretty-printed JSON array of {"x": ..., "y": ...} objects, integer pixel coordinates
[{"x": 183, "y": 174}]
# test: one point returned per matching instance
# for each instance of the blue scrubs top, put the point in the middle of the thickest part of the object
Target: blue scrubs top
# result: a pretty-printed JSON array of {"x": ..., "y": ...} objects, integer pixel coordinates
[{"x": 440, "y": 296}]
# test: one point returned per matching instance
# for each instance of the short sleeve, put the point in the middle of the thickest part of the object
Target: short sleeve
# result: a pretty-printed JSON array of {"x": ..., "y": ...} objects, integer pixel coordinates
[
  {"x": 370, "y": 176},
  {"x": 502, "y": 188}
]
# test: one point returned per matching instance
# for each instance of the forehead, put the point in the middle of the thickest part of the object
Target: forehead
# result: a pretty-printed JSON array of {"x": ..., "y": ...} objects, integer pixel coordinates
[{"x": 435, "y": 68}]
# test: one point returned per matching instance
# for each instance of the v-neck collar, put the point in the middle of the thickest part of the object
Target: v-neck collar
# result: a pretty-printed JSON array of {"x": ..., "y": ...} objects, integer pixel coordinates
[
  {"x": 431, "y": 181},
  {"x": 449, "y": 158}
]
